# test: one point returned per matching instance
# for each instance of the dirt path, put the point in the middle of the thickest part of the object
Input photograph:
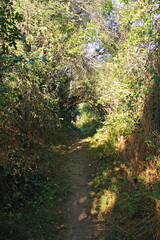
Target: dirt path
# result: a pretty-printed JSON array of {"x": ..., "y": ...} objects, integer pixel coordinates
[{"x": 78, "y": 171}]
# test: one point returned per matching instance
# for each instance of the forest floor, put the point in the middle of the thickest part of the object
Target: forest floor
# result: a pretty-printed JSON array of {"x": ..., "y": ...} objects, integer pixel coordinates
[{"x": 78, "y": 172}]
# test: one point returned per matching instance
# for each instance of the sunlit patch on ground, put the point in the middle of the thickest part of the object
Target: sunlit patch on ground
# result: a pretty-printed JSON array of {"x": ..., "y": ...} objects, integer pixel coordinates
[{"x": 104, "y": 204}]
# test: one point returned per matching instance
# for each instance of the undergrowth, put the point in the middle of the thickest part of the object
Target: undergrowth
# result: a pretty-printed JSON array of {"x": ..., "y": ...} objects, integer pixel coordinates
[
  {"x": 31, "y": 191},
  {"x": 126, "y": 198}
]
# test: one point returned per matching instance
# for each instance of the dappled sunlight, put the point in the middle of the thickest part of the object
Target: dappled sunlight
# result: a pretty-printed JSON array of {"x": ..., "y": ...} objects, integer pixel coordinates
[
  {"x": 76, "y": 148},
  {"x": 77, "y": 170},
  {"x": 103, "y": 204},
  {"x": 107, "y": 202},
  {"x": 82, "y": 215},
  {"x": 69, "y": 70},
  {"x": 83, "y": 199},
  {"x": 149, "y": 175},
  {"x": 78, "y": 217},
  {"x": 119, "y": 192}
]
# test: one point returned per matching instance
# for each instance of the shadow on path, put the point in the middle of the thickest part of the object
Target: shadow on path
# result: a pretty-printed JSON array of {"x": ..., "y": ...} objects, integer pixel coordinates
[{"x": 78, "y": 172}]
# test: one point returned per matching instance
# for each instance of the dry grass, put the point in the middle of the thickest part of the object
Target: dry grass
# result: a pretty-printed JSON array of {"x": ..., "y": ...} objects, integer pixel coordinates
[
  {"x": 141, "y": 155},
  {"x": 130, "y": 211}
]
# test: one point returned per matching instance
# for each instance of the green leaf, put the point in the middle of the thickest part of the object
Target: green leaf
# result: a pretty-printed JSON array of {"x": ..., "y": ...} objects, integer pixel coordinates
[
  {"x": 125, "y": 193},
  {"x": 150, "y": 157},
  {"x": 156, "y": 194},
  {"x": 131, "y": 211},
  {"x": 126, "y": 180}
]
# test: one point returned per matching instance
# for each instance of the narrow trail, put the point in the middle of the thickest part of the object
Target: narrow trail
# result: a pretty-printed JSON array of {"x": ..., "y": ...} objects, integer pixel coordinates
[{"x": 78, "y": 170}]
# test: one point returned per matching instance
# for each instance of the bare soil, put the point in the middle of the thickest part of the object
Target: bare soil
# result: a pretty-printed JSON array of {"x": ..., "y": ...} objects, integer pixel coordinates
[{"x": 78, "y": 171}]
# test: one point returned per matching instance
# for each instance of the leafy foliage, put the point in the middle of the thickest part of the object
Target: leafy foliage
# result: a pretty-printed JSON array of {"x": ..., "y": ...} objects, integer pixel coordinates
[
  {"x": 9, "y": 33},
  {"x": 45, "y": 73}
]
